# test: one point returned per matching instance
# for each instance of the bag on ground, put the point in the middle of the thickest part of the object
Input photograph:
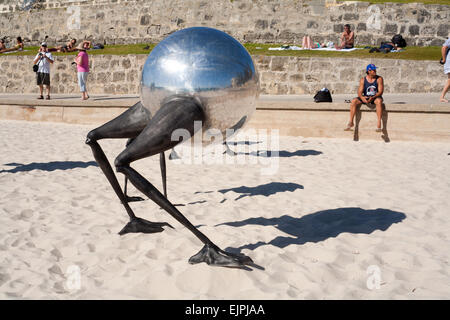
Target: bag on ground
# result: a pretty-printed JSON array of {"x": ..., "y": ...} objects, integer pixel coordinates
[
  {"x": 323, "y": 95},
  {"x": 399, "y": 41}
]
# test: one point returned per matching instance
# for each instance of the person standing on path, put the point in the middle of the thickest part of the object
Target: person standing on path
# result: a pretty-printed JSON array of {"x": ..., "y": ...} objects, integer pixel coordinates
[
  {"x": 43, "y": 59},
  {"x": 446, "y": 62},
  {"x": 82, "y": 61}
]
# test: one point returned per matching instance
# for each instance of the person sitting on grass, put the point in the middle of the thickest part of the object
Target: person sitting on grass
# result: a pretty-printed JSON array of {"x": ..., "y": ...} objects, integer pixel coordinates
[
  {"x": 17, "y": 47},
  {"x": 370, "y": 93},
  {"x": 68, "y": 47},
  {"x": 347, "y": 39},
  {"x": 308, "y": 44}
]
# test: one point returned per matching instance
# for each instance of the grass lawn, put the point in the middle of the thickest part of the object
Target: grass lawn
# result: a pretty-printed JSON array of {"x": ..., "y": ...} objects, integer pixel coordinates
[
  {"x": 447, "y": 2},
  {"x": 410, "y": 53}
]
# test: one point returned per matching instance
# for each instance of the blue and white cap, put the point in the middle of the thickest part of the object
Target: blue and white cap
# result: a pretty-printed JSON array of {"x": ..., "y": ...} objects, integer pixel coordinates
[{"x": 371, "y": 67}]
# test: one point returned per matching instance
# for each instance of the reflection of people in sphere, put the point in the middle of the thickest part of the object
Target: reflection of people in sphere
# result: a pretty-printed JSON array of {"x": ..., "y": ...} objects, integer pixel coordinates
[
  {"x": 446, "y": 61},
  {"x": 370, "y": 92}
]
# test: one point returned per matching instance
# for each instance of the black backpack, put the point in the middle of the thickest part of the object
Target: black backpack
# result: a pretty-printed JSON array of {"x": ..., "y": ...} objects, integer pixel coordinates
[
  {"x": 323, "y": 95},
  {"x": 399, "y": 41}
]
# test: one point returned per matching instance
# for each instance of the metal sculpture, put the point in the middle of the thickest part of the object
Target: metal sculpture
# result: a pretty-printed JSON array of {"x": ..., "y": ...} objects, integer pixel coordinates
[{"x": 195, "y": 74}]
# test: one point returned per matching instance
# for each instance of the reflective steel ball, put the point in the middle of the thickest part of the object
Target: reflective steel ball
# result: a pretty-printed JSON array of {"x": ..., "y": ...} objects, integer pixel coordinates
[{"x": 207, "y": 64}]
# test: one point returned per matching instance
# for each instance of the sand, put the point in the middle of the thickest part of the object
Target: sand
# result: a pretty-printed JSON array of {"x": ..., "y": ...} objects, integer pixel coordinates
[{"x": 336, "y": 219}]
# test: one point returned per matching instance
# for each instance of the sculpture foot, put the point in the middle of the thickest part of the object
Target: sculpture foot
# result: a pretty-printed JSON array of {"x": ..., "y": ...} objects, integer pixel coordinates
[
  {"x": 141, "y": 225},
  {"x": 212, "y": 255},
  {"x": 134, "y": 199}
]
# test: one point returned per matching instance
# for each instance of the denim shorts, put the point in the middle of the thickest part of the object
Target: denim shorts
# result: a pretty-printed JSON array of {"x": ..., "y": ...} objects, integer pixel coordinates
[{"x": 82, "y": 78}]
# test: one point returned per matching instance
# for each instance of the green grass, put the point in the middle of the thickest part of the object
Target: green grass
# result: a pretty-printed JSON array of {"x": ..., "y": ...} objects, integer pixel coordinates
[
  {"x": 410, "y": 53},
  {"x": 119, "y": 49},
  {"x": 446, "y": 2}
]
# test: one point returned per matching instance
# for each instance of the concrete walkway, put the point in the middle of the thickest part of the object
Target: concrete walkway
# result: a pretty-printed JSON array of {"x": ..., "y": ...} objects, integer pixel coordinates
[
  {"x": 418, "y": 117},
  {"x": 407, "y": 102}
]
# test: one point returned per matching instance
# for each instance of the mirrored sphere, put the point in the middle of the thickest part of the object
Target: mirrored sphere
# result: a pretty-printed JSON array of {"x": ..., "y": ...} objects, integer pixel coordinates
[{"x": 208, "y": 64}]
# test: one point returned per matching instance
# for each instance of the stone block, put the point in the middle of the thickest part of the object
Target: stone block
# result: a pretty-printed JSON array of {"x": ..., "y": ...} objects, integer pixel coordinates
[
  {"x": 312, "y": 24},
  {"x": 351, "y": 16},
  {"x": 361, "y": 27},
  {"x": 348, "y": 74},
  {"x": 414, "y": 30},
  {"x": 298, "y": 77},
  {"x": 118, "y": 76},
  {"x": 443, "y": 30},
  {"x": 278, "y": 64},
  {"x": 391, "y": 29},
  {"x": 401, "y": 87},
  {"x": 261, "y": 24},
  {"x": 126, "y": 63}
]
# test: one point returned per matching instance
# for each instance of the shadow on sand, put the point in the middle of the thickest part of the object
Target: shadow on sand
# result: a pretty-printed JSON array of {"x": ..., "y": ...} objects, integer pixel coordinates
[
  {"x": 48, "y": 166},
  {"x": 321, "y": 225},
  {"x": 264, "y": 189},
  {"x": 281, "y": 154}
]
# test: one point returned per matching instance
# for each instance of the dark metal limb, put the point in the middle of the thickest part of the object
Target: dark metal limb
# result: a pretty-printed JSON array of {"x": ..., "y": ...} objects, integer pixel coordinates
[
  {"x": 162, "y": 164},
  {"x": 135, "y": 119},
  {"x": 156, "y": 138}
]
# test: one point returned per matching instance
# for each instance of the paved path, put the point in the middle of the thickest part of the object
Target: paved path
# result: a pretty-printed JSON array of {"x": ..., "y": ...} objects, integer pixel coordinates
[{"x": 417, "y": 102}]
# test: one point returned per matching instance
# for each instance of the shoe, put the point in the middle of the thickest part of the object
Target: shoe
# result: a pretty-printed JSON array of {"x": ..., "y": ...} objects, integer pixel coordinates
[
  {"x": 378, "y": 130},
  {"x": 40, "y": 97},
  {"x": 48, "y": 97},
  {"x": 349, "y": 127}
]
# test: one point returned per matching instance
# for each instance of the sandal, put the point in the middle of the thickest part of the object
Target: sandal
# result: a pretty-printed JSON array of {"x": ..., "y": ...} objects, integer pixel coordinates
[
  {"x": 48, "y": 97},
  {"x": 349, "y": 127},
  {"x": 378, "y": 130},
  {"x": 40, "y": 97}
]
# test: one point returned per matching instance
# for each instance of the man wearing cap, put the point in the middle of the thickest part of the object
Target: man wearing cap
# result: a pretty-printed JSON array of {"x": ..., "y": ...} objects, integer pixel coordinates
[
  {"x": 43, "y": 59},
  {"x": 370, "y": 93}
]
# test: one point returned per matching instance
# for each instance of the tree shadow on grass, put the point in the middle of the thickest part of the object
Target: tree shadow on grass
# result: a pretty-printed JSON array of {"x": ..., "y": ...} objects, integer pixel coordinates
[
  {"x": 48, "y": 166},
  {"x": 321, "y": 225}
]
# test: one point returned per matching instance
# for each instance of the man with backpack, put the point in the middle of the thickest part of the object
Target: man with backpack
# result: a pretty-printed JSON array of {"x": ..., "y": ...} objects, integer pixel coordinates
[
  {"x": 370, "y": 93},
  {"x": 43, "y": 60}
]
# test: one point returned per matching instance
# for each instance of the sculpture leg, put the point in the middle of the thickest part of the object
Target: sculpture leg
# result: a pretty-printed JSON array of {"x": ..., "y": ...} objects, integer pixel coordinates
[
  {"x": 162, "y": 164},
  {"x": 156, "y": 138},
  {"x": 127, "y": 125}
]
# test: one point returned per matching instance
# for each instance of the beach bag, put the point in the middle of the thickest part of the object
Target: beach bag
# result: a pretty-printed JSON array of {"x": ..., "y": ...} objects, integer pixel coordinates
[
  {"x": 399, "y": 41},
  {"x": 323, "y": 95}
]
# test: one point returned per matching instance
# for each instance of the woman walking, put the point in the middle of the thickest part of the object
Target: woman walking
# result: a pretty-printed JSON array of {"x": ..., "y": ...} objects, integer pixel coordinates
[{"x": 82, "y": 61}]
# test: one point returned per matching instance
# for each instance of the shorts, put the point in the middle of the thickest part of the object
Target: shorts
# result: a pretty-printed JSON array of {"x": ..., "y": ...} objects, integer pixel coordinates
[
  {"x": 372, "y": 104},
  {"x": 82, "y": 78},
  {"x": 42, "y": 78}
]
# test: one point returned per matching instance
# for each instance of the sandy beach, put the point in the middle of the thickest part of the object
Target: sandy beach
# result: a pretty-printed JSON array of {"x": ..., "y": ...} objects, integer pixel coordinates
[{"x": 336, "y": 219}]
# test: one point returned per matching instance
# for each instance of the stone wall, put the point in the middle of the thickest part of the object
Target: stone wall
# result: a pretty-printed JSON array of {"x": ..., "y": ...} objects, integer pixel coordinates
[
  {"x": 265, "y": 21},
  {"x": 278, "y": 75}
]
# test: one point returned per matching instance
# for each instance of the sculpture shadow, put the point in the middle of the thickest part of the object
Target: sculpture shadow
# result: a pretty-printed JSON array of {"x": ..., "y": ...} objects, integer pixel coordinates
[
  {"x": 264, "y": 189},
  {"x": 281, "y": 154},
  {"x": 49, "y": 166},
  {"x": 247, "y": 143},
  {"x": 321, "y": 225}
]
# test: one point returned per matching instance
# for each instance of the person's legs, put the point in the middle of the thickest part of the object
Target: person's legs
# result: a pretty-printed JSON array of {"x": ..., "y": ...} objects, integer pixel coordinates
[
  {"x": 82, "y": 85},
  {"x": 46, "y": 82},
  {"x": 40, "y": 85},
  {"x": 379, "y": 108},
  {"x": 446, "y": 88},
  {"x": 353, "y": 106}
]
